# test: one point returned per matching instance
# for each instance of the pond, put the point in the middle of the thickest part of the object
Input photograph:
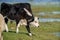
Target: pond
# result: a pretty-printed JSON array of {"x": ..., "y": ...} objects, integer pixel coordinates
[
  {"x": 56, "y": 33},
  {"x": 49, "y": 19},
  {"x": 49, "y": 13}
]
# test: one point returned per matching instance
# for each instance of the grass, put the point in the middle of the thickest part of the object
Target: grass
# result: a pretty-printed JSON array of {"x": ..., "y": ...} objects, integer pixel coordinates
[
  {"x": 41, "y": 33},
  {"x": 37, "y": 9}
]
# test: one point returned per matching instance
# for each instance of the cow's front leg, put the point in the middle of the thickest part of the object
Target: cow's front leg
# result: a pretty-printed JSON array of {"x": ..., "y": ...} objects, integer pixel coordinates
[
  {"x": 17, "y": 26},
  {"x": 6, "y": 27},
  {"x": 28, "y": 29}
]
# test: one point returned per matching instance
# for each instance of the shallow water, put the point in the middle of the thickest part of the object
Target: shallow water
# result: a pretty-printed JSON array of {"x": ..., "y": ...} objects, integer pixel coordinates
[
  {"x": 49, "y": 13},
  {"x": 56, "y": 33},
  {"x": 49, "y": 19}
]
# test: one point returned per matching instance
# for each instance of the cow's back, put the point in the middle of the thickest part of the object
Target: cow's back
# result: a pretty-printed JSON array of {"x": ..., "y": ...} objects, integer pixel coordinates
[{"x": 5, "y": 8}]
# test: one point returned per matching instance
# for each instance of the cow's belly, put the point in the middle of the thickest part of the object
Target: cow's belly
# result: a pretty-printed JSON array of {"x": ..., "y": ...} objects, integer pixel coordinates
[{"x": 11, "y": 18}]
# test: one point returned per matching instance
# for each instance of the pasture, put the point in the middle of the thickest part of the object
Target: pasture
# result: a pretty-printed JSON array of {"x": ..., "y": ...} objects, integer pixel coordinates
[{"x": 43, "y": 32}]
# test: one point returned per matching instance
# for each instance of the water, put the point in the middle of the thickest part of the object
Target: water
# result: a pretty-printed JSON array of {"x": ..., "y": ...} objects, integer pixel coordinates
[
  {"x": 49, "y": 19},
  {"x": 49, "y": 13},
  {"x": 56, "y": 33},
  {"x": 56, "y": 12}
]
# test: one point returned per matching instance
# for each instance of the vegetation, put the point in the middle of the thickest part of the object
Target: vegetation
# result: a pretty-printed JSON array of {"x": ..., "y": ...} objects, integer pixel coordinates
[
  {"x": 44, "y": 32},
  {"x": 37, "y": 9},
  {"x": 50, "y": 16}
]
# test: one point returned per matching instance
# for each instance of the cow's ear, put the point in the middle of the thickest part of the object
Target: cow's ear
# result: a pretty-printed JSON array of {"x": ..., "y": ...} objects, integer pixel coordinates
[{"x": 27, "y": 12}]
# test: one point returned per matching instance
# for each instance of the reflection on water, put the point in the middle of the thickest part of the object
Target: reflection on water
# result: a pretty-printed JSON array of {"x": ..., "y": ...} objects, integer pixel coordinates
[
  {"x": 49, "y": 19},
  {"x": 57, "y": 33},
  {"x": 49, "y": 13},
  {"x": 53, "y": 12}
]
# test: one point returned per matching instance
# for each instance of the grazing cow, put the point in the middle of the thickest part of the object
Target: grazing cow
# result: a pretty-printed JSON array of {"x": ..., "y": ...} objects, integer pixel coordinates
[
  {"x": 2, "y": 26},
  {"x": 17, "y": 12}
]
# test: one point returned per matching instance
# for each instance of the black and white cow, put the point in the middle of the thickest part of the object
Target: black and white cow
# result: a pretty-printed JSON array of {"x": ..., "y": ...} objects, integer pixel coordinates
[{"x": 17, "y": 12}]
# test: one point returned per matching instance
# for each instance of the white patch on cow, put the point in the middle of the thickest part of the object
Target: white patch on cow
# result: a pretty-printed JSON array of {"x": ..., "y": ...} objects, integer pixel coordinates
[
  {"x": 23, "y": 22},
  {"x": 17, "y": 29},
  {"x": 6, "y": 27},
  {"x": 28, "y": 12}
]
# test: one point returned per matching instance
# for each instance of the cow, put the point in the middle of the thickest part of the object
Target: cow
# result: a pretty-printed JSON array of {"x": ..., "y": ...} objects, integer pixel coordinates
[
  {"x": 17, "y": 12},
  {"x": 2, "y": 26}
]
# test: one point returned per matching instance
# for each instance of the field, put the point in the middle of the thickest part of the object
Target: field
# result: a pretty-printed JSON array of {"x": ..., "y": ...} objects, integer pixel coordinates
[
  {"x": 44, "y": 32},
  {"x": 38, "y": 9}
]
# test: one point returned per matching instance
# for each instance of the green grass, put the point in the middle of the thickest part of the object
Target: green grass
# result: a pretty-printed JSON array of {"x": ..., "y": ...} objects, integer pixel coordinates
[
  {"x": 44, "y": 32},
  {"x": 50, "y": 16},
  {"x": 37, "y": 9},
  {"x": 41, "y": 33}
]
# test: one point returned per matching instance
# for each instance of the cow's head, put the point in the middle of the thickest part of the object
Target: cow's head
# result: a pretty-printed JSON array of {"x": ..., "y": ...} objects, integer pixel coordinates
[{"x": 35, "y": 23}]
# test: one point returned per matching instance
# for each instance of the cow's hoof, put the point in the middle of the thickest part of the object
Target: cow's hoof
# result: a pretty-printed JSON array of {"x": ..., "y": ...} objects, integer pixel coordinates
[
  {"x": 30, "y": 34},
  {"x": 7, "y": 31},
  {"x": 16, "y": 32}
]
